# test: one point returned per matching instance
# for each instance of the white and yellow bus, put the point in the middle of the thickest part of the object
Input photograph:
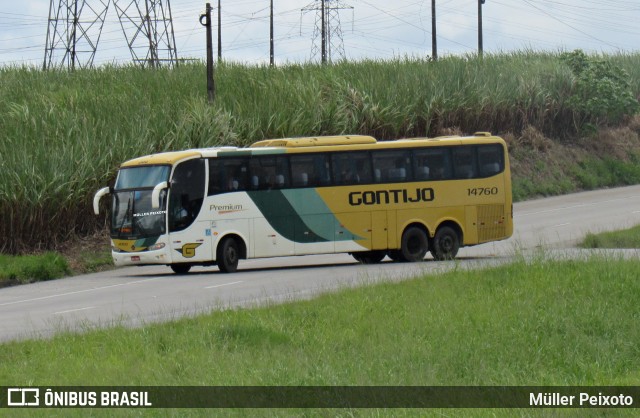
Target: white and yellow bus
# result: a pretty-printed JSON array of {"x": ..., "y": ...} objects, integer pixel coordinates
[{"x": 299, "y": 196}]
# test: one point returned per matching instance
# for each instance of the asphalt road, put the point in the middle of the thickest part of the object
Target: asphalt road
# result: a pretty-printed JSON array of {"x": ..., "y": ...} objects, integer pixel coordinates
[{"x": 141, "y": 295}]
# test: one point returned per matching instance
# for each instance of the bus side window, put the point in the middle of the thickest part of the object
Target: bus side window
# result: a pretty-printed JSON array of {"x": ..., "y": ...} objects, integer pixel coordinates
[
  {"x": 432, "y": 164},
  {"x": 269, "y": 172},
  {"x": 464, "y": 162},
  {"x": 352, "y": 168},
  {"x": 215, "y": 168},
  {"x": 490, "y": 159},
  {"x": 392, "y": 166},
  {"x": 309, "y": 170},
  {"x": 228, "y": 175}
]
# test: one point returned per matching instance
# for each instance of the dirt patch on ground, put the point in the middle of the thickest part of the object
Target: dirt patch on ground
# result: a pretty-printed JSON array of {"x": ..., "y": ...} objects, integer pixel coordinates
[{"x": 88, "y": 254}]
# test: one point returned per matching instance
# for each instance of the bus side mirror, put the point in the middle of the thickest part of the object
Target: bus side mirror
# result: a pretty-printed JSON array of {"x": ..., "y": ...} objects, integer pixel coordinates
[
  {"x": 97, "y": 197},
  {"x": 155, "y": 195}
]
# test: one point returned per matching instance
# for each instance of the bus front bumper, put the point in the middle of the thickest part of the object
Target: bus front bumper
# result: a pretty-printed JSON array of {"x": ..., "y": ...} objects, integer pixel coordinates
[{"x": 141, "y": 258}]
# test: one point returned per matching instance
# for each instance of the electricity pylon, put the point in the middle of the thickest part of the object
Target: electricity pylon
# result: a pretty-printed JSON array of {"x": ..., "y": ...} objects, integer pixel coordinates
[
  {"x": 75, "y": 27},
  {"x": 328, "y": 42}
]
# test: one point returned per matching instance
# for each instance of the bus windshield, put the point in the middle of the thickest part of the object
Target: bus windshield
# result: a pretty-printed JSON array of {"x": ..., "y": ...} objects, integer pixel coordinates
[
  {"x": 133, "y": 216},
  {"x": 142, "y": 177}
]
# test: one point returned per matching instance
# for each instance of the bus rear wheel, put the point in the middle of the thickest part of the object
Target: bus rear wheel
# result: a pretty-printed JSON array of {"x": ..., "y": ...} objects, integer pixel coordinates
[
  {"x": 180, "y": 268},
  {"x": 369, "y": 257},
  {"x": 415, "y": 244},
  {"x": 446, "y": 244},
  {"x": 228, "y": 255}
]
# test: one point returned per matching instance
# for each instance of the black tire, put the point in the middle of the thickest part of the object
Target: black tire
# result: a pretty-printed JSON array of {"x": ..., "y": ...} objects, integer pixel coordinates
[
  {"x": 414, "y": 245},
  {"x": 369, "y": 257},
  {"x": 228, "y": 255},
  {"x": 180, "y": 268},
  {"x": 446, "y": 244}
]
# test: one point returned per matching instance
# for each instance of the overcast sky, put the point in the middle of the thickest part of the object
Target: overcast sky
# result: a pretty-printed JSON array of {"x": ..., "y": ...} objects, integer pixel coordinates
[{"x": 380, "y": 29}]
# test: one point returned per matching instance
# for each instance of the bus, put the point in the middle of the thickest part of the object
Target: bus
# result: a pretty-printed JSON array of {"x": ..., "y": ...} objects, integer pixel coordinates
[{"x": 312, "y": 195}]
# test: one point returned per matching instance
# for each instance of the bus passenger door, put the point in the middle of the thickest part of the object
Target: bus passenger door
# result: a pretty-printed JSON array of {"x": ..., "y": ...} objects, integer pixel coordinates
[{"x": 188, "y": 237}]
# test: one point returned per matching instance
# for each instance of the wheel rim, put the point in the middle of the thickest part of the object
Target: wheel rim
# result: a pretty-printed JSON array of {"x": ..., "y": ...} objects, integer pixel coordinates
[
  {"x": 231, "y": 255},
  {"x": 447, "y": 244}
]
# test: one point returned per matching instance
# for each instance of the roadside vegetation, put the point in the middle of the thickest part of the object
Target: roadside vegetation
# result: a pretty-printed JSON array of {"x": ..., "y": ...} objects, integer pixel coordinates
[
  {"x": 627, "y": 238},
  {"x": 28, "y": 268},
  {"x": 537, "y": 322},
  {"x": 568, "y": 117}
]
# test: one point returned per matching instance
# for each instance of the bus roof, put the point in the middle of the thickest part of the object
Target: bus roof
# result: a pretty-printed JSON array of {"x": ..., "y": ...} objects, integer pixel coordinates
[
  {"x": 315, "y": 141},
  {"x": 309, "y": 144}
]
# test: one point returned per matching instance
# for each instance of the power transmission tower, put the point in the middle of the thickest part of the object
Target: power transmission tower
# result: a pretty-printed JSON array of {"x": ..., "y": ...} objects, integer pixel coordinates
[
  {"x": 73, "y": 30},
  {"x": 75, "y": 27},
  {"x": 328, "y": 43},
  {"x": 148, "y": 28}
]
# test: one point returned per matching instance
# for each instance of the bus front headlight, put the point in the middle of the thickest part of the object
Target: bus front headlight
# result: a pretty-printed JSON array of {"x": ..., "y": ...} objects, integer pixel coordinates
[{"x": 158, "y": 246}]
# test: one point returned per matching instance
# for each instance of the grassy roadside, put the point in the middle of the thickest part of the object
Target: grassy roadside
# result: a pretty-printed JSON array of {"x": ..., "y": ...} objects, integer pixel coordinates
[
  {"x": 627, "y": 238},
  {"x": 27, "y": 268},
  {"x": 78, "y": 256},
  {"x": 527, "y": 323}
]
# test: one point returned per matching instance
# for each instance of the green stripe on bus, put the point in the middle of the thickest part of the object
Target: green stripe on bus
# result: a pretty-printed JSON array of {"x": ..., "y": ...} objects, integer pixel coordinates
[
  {"x": 283, "y": 217},
  {"x": 299, "y": 215}
]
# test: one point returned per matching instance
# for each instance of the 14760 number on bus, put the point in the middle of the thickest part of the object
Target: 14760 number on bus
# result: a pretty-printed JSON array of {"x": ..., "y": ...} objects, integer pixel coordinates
[{"x": 482, "y": 191}]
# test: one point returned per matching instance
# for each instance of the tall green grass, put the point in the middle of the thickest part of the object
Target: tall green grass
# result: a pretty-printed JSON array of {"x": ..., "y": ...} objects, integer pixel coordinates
[{"x": 63, "y": 134}]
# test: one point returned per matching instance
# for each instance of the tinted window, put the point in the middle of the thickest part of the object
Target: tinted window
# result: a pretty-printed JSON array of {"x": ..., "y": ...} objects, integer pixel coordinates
[
  {"x": 490, "y": 159},
  {"x": 392, "y": 166},
  {"x": 351, "y": 168},
  {"x": 464, "y": 162},
  {"x": 186, "y": 194},
  {"x": 141, "y": 177},
  {"x": 228, "y": 175},
  {"x": 309, "y": 170},
  {"x": 269, "y": 172},
  {"x": 432, "y": 164}
]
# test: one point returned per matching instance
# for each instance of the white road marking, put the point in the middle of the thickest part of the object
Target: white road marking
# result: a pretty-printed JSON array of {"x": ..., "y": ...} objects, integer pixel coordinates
[
  {"x": 74, "y": 310},
  {"x": 565, "y": 224},
  {"x": 220, "y": 285},
  {"x": 15, "y": 302}
]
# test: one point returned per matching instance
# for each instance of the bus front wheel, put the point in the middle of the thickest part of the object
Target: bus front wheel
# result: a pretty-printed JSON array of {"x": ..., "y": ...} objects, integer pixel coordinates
[
  {"x": 415, "y": 244},
  {"x": 180, "y": 268},
  {"x": 228, "y": 255},
  {"x": 369, "y": 257},
  {"x": 445, "y": 244}
]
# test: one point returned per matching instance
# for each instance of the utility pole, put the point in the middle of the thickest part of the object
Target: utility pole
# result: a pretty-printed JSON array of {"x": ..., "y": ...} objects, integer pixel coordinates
[
  {"x": 205, "y": 20},
  {"x": 271, "y": 54},
  {"x": 324, "y": 33},
  {"x": 480, "y": 3},
  {"x": 434, "y": 44},
  {"x": 219, "y": 32}
]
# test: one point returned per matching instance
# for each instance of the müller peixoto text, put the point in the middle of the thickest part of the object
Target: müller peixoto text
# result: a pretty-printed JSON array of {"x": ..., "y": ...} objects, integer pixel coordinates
[{"x": 581, "y": 399}]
